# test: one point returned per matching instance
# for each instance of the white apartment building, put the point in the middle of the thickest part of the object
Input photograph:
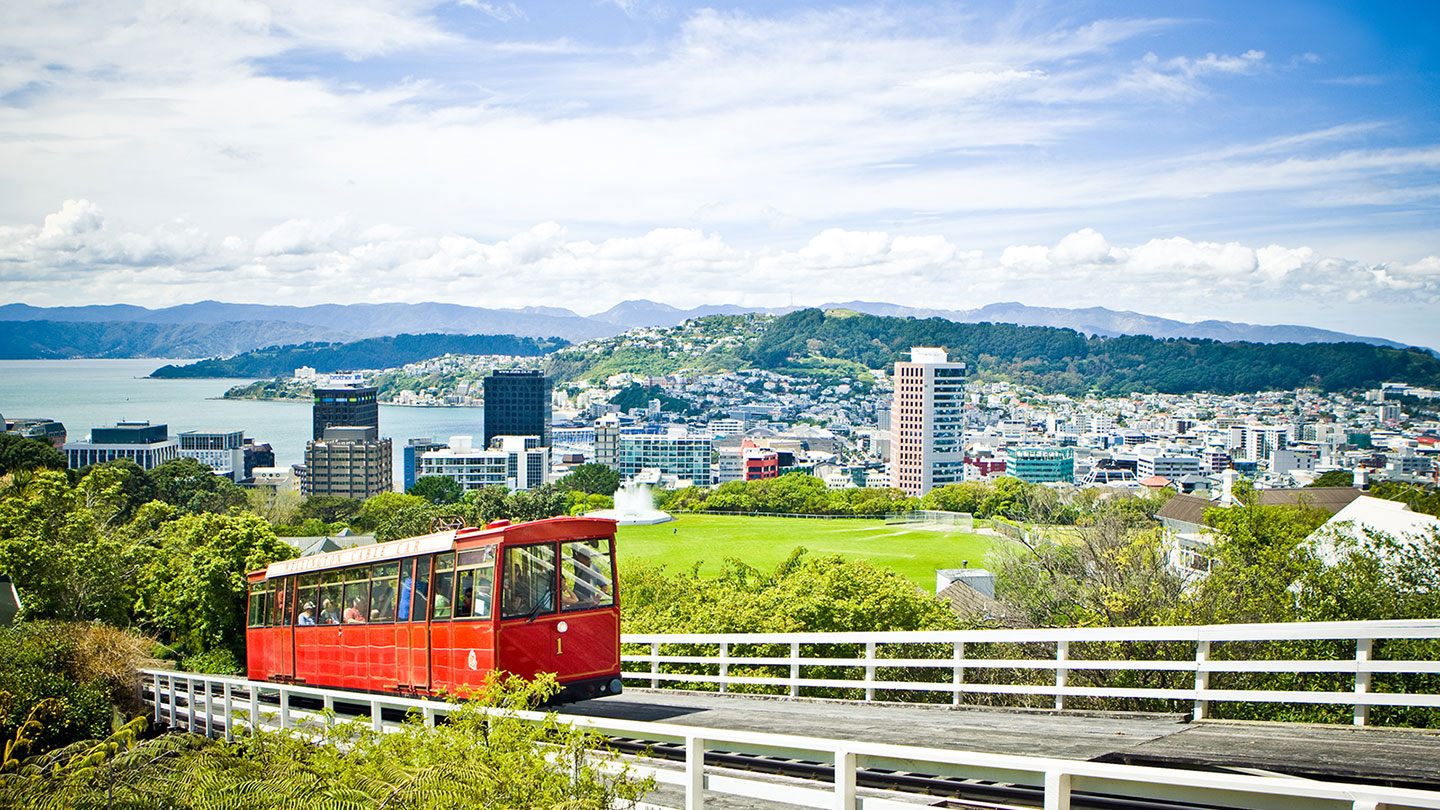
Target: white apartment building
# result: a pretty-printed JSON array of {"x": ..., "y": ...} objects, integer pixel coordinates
[
  {"x": 1151, "y": 461},
  {"x": 927, "y": 446},
  {"x": 518, "y": 463}
]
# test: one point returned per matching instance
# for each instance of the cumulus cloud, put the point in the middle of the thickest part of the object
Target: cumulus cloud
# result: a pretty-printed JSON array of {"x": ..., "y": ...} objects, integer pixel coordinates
[{"x": 336, "y": 260}]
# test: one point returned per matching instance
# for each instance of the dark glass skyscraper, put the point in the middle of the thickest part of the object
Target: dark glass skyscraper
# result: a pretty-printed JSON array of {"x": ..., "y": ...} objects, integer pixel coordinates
[
  {"x": 344, "y": 406},
  {"x": 517, "y": 403}
]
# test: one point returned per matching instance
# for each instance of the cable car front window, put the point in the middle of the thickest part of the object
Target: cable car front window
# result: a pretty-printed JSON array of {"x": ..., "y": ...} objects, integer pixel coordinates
[
  {"x": 529, "y": 587},
  {"x": 586, "y": 574}
]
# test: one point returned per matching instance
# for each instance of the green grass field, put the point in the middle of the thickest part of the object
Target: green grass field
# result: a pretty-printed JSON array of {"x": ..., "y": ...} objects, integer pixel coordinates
[{"x": 763, "y": 542}]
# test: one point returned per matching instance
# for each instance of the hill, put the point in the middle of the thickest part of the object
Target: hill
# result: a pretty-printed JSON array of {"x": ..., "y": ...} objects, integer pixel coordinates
[
  {"x": 341, "y": 322},
  {"x": 57, "y": 340},
  {"x": 1066, "y": 361},
  {"x": 372, "y": 353}
]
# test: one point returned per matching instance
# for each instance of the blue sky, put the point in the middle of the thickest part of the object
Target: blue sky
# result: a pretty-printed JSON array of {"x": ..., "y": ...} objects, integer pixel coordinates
[{"x": 1271, "y": 162}]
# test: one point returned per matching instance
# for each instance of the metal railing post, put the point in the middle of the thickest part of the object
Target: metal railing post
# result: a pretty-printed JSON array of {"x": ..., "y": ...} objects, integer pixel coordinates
[
  {"x": 958, "y": 672},
  {"x": 155, "y": 681},
  {"x": 654, "y": 665},
  {"x": 229, "y": 698},
  {"x": 1202, "y": 679},
  {"x": 254, "y": 708},
  {"x": 329, "y": 706},
  {"x": 794, "y": 669},
  {"x": 724, "y": 666},
  {"x": 694, "y": 773},
  {"x": 189, "y": 705},
  {"x": 869, "y": 670},
  {"x": 209, "y": 709},
  {"x": 376, "y": 723},
  {"x": 1363, "y": 648},
  {"x": 1057, "y": 790},
  {"x": 1062, "y": 675},
  {"x": 844, "y": 780},
  {"x": 284, "y": 708}
]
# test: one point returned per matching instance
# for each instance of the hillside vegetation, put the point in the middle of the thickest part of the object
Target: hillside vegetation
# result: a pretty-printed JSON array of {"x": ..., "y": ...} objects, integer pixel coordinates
[
  {"x": 841, "y": 343},
  {"x": 381, "y": 352}
]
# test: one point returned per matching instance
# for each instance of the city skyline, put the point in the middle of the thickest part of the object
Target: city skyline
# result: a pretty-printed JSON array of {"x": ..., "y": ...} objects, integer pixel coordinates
[{"x": 1272, "y": 164}]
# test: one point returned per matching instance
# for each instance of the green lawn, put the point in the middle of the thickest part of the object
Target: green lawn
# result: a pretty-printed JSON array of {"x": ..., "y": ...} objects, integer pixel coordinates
[{"x": 764, "y": 542}]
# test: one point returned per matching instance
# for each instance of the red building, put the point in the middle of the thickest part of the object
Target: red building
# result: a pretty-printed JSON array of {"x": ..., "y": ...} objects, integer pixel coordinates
[{"x": 758, "y": 462}]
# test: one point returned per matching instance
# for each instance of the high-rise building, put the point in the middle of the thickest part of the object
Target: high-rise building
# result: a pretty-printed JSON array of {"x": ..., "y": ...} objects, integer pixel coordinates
[
  {"x": 517, "y": 403},
  {"x": 143, "y": 443},
  {"x": 344, "y": 406},
  {"x": 348, "y": 462},
  {"x": 927, "y": 447}
]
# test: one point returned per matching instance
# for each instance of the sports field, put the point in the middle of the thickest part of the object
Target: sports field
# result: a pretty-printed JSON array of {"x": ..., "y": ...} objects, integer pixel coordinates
[{"x": 763, "y": 542}]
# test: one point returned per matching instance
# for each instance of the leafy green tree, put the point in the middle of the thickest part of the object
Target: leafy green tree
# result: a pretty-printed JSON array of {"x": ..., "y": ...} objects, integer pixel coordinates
[
  {"x": 377, "y": 507},
  {"x": 135, "y": 487},
  {"x": 1334, "y": 478},
  {"x": 1111, "y": 572},
  {"x": 25, "y": 453},
  {"x": 66, "y": 560},
  {"x": 592, "y": 478},
  {"x": 439, "y": 489},
  {"x": 1260, "y": 553},
  {"x": 194, "y": 487},
  {"x": 329, "y": 508},
  {"x": 191, "y": 592}
]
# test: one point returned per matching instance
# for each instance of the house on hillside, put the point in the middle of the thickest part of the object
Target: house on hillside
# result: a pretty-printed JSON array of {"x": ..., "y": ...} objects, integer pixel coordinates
[
  {"x": 1191, "y": 538},
  {"x": 1367, "y": 517}
]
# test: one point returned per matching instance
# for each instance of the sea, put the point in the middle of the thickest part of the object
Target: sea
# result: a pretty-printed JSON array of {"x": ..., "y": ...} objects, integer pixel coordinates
[{"x": 92, "y": 393}]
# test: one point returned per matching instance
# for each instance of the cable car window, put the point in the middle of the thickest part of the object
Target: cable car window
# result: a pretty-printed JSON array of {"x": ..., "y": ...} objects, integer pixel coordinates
[
  {"x": 331, "y": 600},
  {"x": 529, "y": 581},
  {"x": 309, "y": 609},
  {"x": 586, "y": 574},
  {"x": 257, "y": 605},
  {"x": 357, "y": 595},
  {"x": 382, "y": 592},
  {"x": 281, "y": 597},
  {"x": 475, "y": 583},
  {"x": 444, "y": 585},
  {"x": 272, "y": 604},
  {"x": 418, "y": 592}
]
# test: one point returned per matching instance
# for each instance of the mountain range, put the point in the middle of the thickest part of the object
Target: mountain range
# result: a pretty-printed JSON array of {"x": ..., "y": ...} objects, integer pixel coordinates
[{"x": 214, "y": 328}]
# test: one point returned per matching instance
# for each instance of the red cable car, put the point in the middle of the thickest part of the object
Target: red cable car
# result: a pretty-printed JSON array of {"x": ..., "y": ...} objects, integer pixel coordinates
[{"x": 525, "y": 598}]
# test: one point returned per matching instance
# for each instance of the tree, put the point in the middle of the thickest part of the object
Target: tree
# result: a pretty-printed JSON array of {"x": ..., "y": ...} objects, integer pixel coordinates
[
  {"x": 329, "y": 508},
  {"x": 1334, "y": 478},
  {"x": 378, "y": 507},
  {"x": 194, "y": 487},
  {"x": 438, "y": 489},
  {"x": 68, "y": 562},
  {"x": 191, "y": 592},
  {"x": 1112, "y": 572},
  {"x": 26, "y": 453},
  {"x": 592, "y": 478}
]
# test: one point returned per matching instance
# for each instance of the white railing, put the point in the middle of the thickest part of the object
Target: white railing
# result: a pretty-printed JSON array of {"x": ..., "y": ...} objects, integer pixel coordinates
[
  {"x": 214, "y": 705},
  {"x": 717, "y": 652}
]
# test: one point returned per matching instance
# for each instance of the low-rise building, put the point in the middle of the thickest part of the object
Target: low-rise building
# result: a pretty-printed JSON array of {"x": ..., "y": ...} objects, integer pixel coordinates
[{"x": 143, "y": 443}]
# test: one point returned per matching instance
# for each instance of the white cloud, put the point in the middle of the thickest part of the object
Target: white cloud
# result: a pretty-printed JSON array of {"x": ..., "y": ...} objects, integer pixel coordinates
[{"x": 335, "y": 260}]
